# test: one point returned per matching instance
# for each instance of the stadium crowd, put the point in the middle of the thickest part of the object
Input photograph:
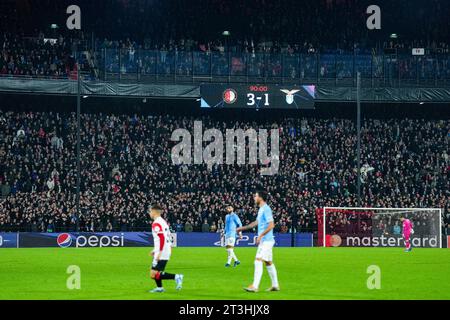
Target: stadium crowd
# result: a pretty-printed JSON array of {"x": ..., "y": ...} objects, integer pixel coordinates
[
  {"x": 37, "y": 56},
  {"x": 126, "y": 165},
  {"x": 57, "y": 57},
  {"x": 273, "y": 26},
  {"x": 270, "y": 27}
]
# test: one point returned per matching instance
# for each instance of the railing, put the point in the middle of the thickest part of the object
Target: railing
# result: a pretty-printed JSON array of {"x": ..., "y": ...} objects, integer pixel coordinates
[
  {"x": 385, "y": 70},
  {"x": 339, "y": 70},
  {"x": 30, "y": 77}
]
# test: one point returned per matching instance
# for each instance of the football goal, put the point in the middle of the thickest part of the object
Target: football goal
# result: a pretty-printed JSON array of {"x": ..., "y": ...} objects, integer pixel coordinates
[{"x": 378, "y": 227}]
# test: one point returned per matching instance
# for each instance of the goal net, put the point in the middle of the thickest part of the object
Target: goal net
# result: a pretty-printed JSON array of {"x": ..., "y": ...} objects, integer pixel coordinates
[{"x": 377, "y": 227}]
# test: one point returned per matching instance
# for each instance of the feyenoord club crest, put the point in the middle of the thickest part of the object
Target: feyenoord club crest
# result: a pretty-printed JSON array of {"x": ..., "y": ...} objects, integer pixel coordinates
[{"x": 229, "y": 96}]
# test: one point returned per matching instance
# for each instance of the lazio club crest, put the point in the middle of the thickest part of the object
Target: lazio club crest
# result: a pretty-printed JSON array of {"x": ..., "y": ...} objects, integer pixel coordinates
[{"x": 289, "y": 95}]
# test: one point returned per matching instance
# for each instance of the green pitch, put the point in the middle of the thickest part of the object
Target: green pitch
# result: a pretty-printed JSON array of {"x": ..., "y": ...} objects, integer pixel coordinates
[{"x": 304, "y": 273}]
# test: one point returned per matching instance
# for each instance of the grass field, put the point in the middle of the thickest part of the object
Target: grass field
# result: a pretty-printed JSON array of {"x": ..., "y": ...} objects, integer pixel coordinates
[{"x": 304, "y": 273}]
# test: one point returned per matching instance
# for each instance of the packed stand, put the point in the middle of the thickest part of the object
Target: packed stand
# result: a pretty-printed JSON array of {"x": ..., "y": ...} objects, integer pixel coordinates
[
  {"x": 37, "y": 57},
  {"x": 126, "y": 165},
  {"x": 158, "y": 37}
]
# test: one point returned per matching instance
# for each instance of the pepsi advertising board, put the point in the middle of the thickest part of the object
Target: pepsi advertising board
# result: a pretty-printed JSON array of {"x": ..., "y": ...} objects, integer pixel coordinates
[
  {"x": 256, "y": 96},
  {"x": 136, "y": 239},
  {"x": 9, "y": 240},
  {"x": 85, "y": 239}
]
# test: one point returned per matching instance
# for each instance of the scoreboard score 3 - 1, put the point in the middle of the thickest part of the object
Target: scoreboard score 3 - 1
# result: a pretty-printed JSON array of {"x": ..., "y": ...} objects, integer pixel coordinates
[{"x": 265, "y": 96}]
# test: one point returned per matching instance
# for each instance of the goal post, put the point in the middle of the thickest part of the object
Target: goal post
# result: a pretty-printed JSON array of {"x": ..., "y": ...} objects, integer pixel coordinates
[{"x": 377, "y": 227}]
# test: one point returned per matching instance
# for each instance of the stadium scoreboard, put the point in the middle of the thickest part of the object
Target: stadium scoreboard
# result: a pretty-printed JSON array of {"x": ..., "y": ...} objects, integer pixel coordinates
[{"x": 255, "y": 96}]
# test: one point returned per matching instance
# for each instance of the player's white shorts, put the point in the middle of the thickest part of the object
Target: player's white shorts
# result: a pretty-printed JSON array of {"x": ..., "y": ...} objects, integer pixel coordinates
[
  {"x": 165, "y": 254},
  {"x": 230, "y": 241},
  {"x": 265, "y": 250}
]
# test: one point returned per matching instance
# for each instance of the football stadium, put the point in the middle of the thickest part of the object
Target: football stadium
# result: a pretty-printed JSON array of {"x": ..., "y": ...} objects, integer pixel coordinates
[{"x": 224, "y": 150}]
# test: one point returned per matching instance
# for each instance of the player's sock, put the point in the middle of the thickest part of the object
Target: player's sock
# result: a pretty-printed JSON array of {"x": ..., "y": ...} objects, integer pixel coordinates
[
  {"x": 258, "y": 273},
  {"x": 233, "y": 255},
  {"x": 230, "y": 255},
  {"x": 408, "y": 245},
  {"x": 167, "y": 276},
  {"x": 273, "y": 275},
  {"x": 158, "y": 280}
]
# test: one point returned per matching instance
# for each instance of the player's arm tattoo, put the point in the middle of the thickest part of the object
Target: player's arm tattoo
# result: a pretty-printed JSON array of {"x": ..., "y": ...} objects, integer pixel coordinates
[{"x": 249, "y": 226}]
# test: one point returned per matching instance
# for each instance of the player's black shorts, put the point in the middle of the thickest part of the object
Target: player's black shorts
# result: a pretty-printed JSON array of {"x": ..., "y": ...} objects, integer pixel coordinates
[{"x": 160, "y": 266}]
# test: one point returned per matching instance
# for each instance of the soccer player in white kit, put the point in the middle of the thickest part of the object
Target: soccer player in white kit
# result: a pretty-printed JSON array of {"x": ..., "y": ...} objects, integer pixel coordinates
[
  {"x": 162, "y": 251},
  {"x": 265, "y": 242}
]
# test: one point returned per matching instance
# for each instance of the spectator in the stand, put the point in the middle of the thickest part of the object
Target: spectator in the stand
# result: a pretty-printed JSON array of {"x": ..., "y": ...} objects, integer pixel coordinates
[
  {"x": 205, "y": 226},
  {"x": 188, "y": 227},
  {"x": 397, "y": 229},
  {"x": 5, "y": 189},
  {"x": 284, "y": 228},
  {"x": 50, "y": 226},
  {"x": 179, "y": 226}
]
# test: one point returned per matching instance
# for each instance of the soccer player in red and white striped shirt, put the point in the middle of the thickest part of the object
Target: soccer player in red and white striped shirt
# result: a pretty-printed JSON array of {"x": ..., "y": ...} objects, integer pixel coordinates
[{"x": 162, "y": 239}]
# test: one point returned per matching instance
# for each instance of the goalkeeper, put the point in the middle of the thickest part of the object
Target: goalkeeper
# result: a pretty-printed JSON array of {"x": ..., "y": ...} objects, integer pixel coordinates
[{"x": 407, "y": 232}]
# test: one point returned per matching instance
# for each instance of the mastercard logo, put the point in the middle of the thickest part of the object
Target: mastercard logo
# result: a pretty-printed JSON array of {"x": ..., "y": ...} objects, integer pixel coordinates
[
  {"x": 336, "y": 240},
  {"x": 229, "y": 96}
]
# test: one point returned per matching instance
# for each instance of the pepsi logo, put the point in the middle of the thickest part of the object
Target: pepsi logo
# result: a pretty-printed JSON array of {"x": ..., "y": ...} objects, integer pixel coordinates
[{"x": 64, "y": 240}]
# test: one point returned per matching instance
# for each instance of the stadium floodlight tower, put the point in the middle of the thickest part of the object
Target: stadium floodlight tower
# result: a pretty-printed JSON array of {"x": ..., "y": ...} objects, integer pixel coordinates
[{"x": 378, "y": 227}]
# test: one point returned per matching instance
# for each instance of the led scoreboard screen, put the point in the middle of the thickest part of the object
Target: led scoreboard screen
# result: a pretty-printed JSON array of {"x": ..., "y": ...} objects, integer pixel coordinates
[{"x": 257, "y": 96}]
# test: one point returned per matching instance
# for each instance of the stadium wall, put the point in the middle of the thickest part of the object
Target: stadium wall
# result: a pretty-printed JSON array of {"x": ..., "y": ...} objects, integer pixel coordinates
[
  {"x": 324, "y": 93},
  {"x": 135, "y": 239}
]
